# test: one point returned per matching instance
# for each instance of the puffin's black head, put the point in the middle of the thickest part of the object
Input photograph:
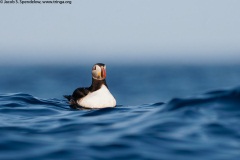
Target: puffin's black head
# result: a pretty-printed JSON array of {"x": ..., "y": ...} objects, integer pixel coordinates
[{"x": 99, "y": 71}]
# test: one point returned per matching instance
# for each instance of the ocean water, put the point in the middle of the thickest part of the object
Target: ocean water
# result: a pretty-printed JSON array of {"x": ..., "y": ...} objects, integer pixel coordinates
[{"x": 163, "y": 112}]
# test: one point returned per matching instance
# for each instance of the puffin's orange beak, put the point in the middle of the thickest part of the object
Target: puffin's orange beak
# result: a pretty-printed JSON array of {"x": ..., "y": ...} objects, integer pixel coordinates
[{"x": 103, "y": 72}]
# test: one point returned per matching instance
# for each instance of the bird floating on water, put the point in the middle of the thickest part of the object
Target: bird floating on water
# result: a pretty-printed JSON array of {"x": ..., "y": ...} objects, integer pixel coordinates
[{"x": 95, "y": 96}]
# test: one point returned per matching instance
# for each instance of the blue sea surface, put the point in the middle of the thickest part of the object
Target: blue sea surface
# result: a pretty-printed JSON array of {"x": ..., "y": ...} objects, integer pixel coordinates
[{"x": 162, "y": 112}]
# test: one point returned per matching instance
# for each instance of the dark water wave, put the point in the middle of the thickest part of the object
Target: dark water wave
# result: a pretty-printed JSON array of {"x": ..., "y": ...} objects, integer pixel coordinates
[{"x": 204, "y": 127}]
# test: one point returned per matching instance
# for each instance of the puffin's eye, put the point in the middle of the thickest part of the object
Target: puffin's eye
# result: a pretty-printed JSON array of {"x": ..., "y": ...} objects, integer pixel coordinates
[{"x": 94, "y": 68}]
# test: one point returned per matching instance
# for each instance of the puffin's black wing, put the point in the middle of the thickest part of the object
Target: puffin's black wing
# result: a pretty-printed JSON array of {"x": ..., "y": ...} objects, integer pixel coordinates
[
  {"x": 77, "y": 94},
  {"x": 68, "y": 97}
]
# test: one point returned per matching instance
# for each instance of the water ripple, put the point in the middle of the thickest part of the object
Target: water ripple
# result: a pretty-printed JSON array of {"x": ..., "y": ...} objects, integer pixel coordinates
[{"x": 201, "y": 127}]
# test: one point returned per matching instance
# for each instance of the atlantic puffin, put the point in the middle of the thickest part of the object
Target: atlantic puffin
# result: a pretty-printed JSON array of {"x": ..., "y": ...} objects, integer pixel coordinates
[{"x": 95, "y": 96}]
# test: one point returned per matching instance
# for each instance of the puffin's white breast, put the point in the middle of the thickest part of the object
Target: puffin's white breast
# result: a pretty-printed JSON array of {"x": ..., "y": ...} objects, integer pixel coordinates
[{"x": 101, "y": 98}]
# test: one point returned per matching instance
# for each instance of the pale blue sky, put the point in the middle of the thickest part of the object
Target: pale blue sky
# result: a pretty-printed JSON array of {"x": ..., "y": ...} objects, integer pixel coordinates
[{"x": 121, "y": 31}]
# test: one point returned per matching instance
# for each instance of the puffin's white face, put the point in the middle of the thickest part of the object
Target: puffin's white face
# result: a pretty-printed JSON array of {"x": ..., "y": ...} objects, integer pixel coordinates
[{"x": 99, "y": 71}]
